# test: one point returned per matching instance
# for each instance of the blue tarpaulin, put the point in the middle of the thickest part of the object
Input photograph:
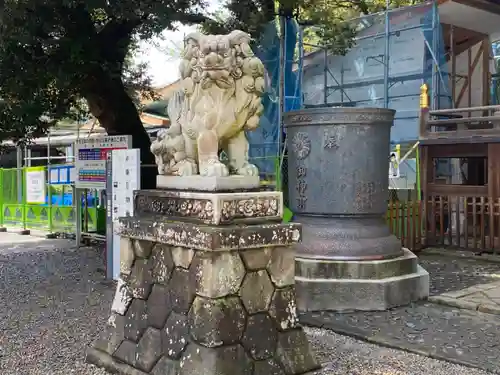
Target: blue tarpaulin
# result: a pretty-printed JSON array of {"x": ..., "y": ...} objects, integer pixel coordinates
[{"x": 264, "y": 142}]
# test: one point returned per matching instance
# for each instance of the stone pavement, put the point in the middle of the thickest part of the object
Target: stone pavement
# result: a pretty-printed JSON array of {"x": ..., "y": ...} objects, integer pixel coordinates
[
  {"x": 482, "y": 297},
  {"x": 467, "y": 337},
  {"x": 449, "y": 274}
]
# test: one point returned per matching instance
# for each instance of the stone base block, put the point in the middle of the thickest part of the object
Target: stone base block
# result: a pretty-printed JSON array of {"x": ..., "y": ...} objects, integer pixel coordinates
[
  {"x": 196, "y": 310},
  {"x": 203, "y": 183},
  {"x": 343, "y": 286},
  {"x": 213, "y": 208}
]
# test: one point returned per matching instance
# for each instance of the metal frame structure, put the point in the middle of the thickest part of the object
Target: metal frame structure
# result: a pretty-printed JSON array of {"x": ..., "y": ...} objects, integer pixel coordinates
[
  {"x": 69, "y": 135},
  {"x": 25, "y": 159},
  {"x": 387, "y": 80},
  {"x": 496, "y": 77},
  {"x": 443, "y": 43}
]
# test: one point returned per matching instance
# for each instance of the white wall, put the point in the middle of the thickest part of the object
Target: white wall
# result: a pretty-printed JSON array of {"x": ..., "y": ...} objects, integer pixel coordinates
[
  {"x": 476, "y": 84},
  {"x": 363, "y": 64}
]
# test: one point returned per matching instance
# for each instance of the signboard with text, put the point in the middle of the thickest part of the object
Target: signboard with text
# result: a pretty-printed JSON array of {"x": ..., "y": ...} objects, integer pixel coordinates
[
  {"x": 35, "y": 185},
  {"x": 126, "y": 171},
  {"x": 91, "y": 155},
  {"x": 123, "y": 178}
]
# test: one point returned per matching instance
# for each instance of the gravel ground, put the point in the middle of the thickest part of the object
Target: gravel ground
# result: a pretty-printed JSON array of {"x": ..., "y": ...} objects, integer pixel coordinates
[
  {"x": 342, "y": 355},
  {"x": 54, "y": 300}
]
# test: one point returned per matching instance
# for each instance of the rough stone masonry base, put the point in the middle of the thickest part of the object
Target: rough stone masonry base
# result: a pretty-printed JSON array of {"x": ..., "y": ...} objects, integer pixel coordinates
[{"x": 220, "y": 311}]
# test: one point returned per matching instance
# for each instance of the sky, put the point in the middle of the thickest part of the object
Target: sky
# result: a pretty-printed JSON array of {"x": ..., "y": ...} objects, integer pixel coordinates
[{"x": 162, "y": 54}]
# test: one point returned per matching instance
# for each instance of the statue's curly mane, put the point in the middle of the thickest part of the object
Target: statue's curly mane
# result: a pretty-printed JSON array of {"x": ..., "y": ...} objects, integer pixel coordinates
[
  {"x": 222, "y": 85},
  {"x": 240, "y": 76}
]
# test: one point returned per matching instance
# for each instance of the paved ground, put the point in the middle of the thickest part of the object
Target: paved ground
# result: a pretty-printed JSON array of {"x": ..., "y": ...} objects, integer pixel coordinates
[
  {"x": 461, "y": 336},
  {"x": 484, "y": 297},
  {"x": 54, "y": 301},
  {"x": 481, "y": 297},
  {"x": 451, "y": 274}
]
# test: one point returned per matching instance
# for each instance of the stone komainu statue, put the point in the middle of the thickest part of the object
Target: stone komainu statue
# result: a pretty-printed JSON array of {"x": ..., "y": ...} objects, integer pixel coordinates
[{"x": 222, "y": 86}]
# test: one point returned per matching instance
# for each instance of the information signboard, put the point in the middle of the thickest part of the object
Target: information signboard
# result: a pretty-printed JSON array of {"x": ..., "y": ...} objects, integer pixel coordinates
[
  {"x": 124, "y": 172},
  {"x": 35, "y": 185},
  {"x": 125, "y": 177},
  {"x": 91, "y": 156}
]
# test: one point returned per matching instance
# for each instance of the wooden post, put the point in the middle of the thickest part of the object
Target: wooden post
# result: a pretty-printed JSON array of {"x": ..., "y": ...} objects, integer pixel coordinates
[
  {"x": 424, "y": 109},
  {"x": 486, "y": 73},
  {"x": 424, "y": 175},
  {"x": 470, "y": 71},
  {"x": 453, "y": 59}
]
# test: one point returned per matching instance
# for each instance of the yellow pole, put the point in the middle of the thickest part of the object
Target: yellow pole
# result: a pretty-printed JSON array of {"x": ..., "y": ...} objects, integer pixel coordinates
[{"x": 424, "y": 96}]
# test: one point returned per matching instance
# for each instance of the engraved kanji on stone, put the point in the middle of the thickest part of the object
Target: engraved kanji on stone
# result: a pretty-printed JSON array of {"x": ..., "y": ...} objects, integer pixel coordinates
[
  {"x": 301, "y": 187},
  {"x": 364, "y": 195},
  {"x": 301, "y": 203},
  {"x": 330, "y": 140},
  {"x": 301, "y": 172}
]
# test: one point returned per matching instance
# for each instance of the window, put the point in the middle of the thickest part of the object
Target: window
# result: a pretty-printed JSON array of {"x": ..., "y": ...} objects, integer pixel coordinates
[{"x": 461, "y": 171}]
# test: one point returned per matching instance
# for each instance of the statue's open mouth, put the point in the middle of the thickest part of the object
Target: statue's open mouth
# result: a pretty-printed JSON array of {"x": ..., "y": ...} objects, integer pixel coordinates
[{"x": 217, "y": 67}]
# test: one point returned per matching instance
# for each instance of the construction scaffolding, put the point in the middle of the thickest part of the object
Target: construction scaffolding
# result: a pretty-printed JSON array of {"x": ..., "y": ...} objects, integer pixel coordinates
[
  {"x": 394, "y": 53},
  {"x": 44, "y": 170}
]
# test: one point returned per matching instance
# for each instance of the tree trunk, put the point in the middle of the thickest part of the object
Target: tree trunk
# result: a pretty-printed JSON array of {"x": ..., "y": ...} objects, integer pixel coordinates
[{"x": 110, "y": 103}]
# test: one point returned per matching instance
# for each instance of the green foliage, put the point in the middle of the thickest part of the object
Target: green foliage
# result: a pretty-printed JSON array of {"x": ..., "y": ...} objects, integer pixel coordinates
[
  {"x": 61, "y": 58},
  {"x": 327, "y": 16},
  {"x": 53, "y": 53}
]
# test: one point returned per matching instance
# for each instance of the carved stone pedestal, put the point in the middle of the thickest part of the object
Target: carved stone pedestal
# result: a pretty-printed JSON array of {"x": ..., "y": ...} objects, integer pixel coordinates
[
  {"x": 338, "y": 189},
  {"x": 205, "y": 294}
]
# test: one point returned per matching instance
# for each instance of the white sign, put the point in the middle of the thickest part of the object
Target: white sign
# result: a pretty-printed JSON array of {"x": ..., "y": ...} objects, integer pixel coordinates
[
  {"x": 125, "y": 178},
  {"x": 91, "y": 155},
  {"x": 35, "y": 185},
  {"x": 393, "y": 165}
]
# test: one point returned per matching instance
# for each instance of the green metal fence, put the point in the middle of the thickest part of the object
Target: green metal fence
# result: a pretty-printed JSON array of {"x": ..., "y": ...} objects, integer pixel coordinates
[{"x": 55, "y": 208}]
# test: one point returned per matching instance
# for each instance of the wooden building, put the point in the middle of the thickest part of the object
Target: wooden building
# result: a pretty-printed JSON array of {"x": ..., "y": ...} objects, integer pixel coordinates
[{"x": 460, "y": 147}]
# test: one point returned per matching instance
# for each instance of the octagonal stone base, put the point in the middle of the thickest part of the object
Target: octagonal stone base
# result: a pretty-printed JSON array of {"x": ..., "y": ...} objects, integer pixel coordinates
[
  {"x": 332, "y": 285},
  {"x": 204, "y": 300}
]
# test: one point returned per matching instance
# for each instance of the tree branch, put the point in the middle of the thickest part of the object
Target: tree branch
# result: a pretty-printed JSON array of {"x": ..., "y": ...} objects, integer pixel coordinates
[
  {"x": 191, "y": 18},
  {"x": 113, "y": 42}
]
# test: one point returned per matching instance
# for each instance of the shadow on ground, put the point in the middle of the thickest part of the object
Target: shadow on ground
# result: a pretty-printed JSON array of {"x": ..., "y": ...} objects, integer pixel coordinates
[{"x": 461, "y": 336}]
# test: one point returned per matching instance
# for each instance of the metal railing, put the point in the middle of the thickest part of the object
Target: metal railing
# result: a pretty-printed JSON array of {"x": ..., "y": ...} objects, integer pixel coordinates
[{"x": 54, "y": 210}]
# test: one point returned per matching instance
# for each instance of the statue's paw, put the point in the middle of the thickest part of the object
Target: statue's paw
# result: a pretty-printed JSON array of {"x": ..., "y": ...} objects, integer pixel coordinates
[
  {"x": 214, "y": 168},
  {"x": 185, "y": 168},
  {"x": 155, "y": 148},
  {"x": 248, "y": 170}
]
